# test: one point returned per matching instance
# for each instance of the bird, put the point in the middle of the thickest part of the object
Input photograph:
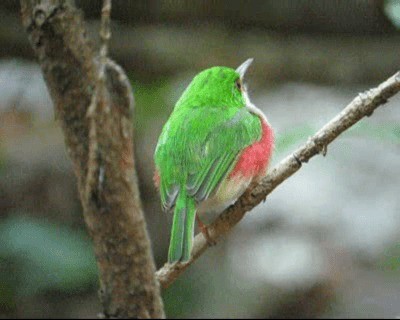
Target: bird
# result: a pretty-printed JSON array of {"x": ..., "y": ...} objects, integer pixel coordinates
[{"x": 215, "y": 143}]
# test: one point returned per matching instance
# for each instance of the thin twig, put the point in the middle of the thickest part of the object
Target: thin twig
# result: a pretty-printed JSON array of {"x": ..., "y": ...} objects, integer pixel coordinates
[
  {"x": 95, "y": 173},
  {"x": 105, "y": 35},
  {"x": 363, "y": 105}
]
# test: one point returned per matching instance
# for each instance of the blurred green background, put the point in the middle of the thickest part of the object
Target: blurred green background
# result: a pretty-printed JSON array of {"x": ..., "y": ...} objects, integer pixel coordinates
[{"x": 324, "y": 244}]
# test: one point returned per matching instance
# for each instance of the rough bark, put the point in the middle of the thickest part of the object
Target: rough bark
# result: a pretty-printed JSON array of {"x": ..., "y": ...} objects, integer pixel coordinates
[
  {"x": 101, "y": 148},
  {"x": 363, "y": 105}
]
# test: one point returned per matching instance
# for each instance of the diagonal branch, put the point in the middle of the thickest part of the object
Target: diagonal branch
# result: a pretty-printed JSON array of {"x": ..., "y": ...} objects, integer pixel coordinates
[{"x": 363, "y": 105}]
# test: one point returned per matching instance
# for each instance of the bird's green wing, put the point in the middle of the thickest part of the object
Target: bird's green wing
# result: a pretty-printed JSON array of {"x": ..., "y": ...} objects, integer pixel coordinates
[{"x": 199, "y": 147}]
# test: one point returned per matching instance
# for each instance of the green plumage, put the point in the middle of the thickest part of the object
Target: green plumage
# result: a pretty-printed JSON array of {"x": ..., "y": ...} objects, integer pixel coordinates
[{"x": 198, "y": 148}]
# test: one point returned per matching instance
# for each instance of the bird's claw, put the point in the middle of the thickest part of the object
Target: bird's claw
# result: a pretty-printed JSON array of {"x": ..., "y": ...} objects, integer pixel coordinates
[{"x": 204, "y": 230}]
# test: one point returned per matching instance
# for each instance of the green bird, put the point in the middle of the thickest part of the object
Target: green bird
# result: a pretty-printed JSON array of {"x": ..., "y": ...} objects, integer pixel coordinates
[{"x": 214, "y": 144}]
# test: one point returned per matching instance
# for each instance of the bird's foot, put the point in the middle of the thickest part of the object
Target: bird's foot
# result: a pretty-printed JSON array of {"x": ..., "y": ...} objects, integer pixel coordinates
[{"x": 204, "y": 230}]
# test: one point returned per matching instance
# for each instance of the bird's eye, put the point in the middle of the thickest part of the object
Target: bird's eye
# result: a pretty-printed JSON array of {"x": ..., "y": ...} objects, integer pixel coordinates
[{"x": 238, "y": 84}]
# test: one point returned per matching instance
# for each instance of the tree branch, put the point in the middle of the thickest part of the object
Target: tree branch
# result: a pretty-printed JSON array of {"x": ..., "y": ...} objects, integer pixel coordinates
[
  {"x": 363, "y": 105},
  {"x": 93, "y": 102}
]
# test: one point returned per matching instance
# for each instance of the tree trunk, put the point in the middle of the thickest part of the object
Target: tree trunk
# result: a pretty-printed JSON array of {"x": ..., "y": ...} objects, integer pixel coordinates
[{"x": 101, "y": 148}]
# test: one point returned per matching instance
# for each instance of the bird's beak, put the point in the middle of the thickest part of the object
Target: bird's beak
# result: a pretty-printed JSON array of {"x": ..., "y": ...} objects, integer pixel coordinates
[{"x": 243, "y": 67}]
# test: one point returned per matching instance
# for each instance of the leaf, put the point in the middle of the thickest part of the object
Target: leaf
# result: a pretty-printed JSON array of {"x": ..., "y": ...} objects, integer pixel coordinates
[
  {"x": 151, "y": 100},
  {"x": 390, "y": 262},
  {"x": 387, "y": 132},
  {"x": 292, "y": 137},
  {"x": 392, "y": 11},
  {"x": 50, "y": 257}
]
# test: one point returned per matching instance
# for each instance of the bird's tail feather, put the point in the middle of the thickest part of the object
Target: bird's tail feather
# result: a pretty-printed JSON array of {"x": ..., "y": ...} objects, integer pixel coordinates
[{"x": 181, "y": 242}]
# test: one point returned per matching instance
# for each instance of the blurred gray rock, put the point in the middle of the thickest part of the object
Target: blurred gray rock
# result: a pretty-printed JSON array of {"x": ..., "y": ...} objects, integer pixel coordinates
[{"x": 23, "y": 89}]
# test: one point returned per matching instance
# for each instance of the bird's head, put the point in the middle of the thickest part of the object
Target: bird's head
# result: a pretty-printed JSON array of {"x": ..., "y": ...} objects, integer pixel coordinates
[{"x": 217, "y": 87}]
